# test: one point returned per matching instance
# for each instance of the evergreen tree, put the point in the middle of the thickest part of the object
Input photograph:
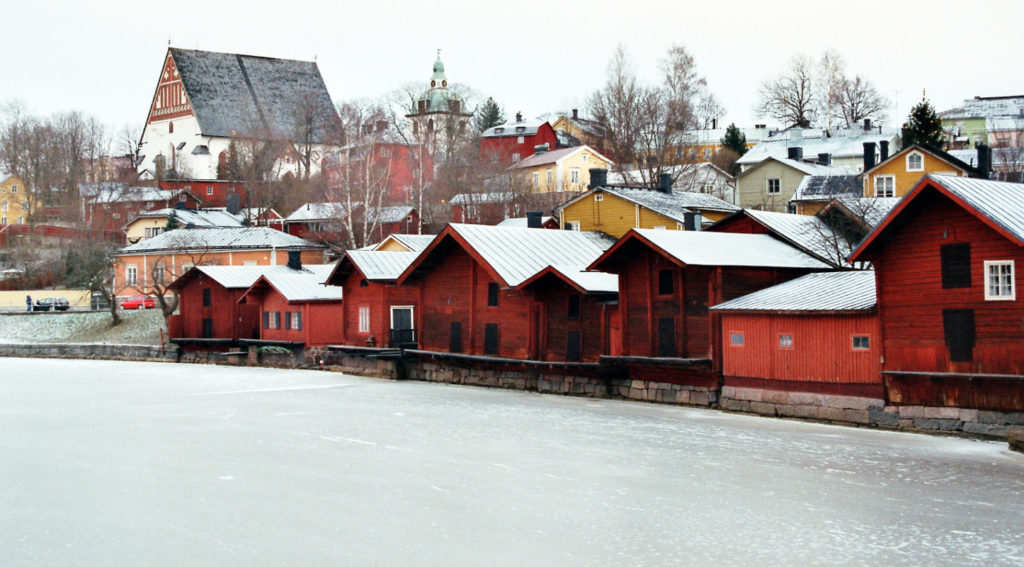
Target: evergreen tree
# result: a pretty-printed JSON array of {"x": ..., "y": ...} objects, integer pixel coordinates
[
  {"x": 735, "y": 140},
  {"x": 922, "y": 127},
  {"x": 230, "y": 167},
  {"x": 172, "y": 222},
  {"x": 488, "y": 116}
]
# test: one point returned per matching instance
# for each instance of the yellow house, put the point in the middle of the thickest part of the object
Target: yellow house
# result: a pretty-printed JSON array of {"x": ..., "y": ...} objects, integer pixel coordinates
[
  {"x": 588, "y": 132},
  {"x": 404, "y": 242},
  {"x": 898, "y": 174},
  {"x": 615, "y": 210},
  {"x": 13, "y": 203},
  {"x": 566, "y": 169}
]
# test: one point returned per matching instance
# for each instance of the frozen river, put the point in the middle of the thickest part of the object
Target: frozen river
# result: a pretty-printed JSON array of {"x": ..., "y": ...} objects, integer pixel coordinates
[{"x": 118, "y": 463}]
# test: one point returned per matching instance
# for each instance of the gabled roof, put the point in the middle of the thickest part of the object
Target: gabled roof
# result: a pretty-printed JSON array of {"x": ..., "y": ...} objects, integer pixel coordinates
[
  {"x": 998, "y": 204},
  {"x": 202, "y": 218},
  {"x": 306, "y": 284},
  {"x": 526, "y": 127},
  {"x": 317, "y": 212},
  {"x": 934, "y": 152},
  {"x": 554, "y": 156},
  {"x": 847, "y": 143},
  {"x": 581, "y": 281},
  {"x": 245, "y": 95},
  {"x": 391, "y": 214},
  {"x": 413, "y": 242},
  {"x": 826, "y": 187},
  {"x": 806, "y": 232},
  {"x": 116, "y": 192},
  {"x": 482, "y": 198},
  {"x": 852, "y": 290},
  {"x": 244, "y": 238},
  {"x": 230, "y": 277},
  {"x": 375, "y": 265},
  {"x": 521, "y": 222},
  {"x": 673, "y": 205},
  {"x": 984, "y": 107},
  {"x": 513, "y": 255},
  {"x": 700, "y": 248},
  {"x": 802, "y": 166},
  {"x": 870, "y": 210}
]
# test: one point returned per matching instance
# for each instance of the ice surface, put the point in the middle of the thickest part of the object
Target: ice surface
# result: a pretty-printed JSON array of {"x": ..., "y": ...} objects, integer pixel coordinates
[{"x": 118, "y": 463}]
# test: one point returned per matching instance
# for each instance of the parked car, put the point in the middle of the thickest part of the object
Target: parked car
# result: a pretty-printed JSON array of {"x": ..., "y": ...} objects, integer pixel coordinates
[
  {"x": 51, "y": 304},
  {"x": 138, "y": 302}
]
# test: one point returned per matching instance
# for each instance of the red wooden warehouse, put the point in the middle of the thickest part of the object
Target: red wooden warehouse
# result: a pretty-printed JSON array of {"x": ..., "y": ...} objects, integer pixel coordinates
[
  {"x": 296, "y": 307},
  {"x": 376, "y": 311},
  {"x": 515, "y": 141},
  {"x": 210, "y": 316},
  {"x": 669, "y": 278},
  {"x": 487, "y": 290},
  {"x": 818, "y": 333},
  {"x": 945, "y": 260}
]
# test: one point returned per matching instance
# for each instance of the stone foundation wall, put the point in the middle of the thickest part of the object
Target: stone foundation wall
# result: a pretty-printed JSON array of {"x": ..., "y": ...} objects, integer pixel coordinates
[{"x": 91, "y": 351}]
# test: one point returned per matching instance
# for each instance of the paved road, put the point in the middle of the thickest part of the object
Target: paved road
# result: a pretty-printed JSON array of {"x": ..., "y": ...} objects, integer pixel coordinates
[{"x": 117, "y": 463}]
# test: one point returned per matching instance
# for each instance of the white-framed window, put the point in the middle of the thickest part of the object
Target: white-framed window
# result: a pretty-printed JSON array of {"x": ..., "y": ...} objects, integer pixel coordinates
[
  {"x": 915, "y": 161},
  {"x": 515, "y": 157},
  {"x": 551, "y": 178},
  {"x": 572, "y": 225},
  {"x": 599, "y": 197},
  {"x": 999, "y": 283},
  {"x": 250, "y": 263},
  {"x": 574, "y": 176},
  {"x": 158, "y": 274},
  {"x": 861, "y": 342},
  {"x": 153, "y": 231},
  {"x": 885, "y": 186},
  {"x": 536, "y": 179},
  {"x": 364, "y": 319},
  {"x": 660, "y": 227},
  {"x": 131, "y": 274},
  {"x": 774, "y": 186},
  {"x": 3, "y": 219},
  {"x": 520, "y": 140},
  {"x": 735, "y": 339},
  {"x": 209, "y": 189},
  {"x": 3, "y": 206},
  {"x": 785, "y": 341},
  {"x": 275, "y": 320}
]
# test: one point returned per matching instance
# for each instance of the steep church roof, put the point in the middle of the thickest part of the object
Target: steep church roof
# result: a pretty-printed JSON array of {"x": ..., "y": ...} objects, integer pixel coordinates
[{"x": 245, "y": 95}]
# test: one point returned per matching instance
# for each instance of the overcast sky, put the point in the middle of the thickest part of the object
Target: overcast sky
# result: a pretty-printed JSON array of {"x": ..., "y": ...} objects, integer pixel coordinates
[{"x": 535, "y": 56}]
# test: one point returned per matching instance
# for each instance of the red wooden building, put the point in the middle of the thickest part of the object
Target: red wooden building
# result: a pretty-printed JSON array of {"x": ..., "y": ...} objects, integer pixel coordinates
[
  {"x": 296, "y": 307},
  {"x": 819, "y": 333},
  {"x": 669, "y": 278},
  {"x": 376, "y": 311},
  {"x": 326, "y": 222},
  {"x": 401, "y": 165},
  {"x": 212, "y": 192},
  {"x": 513, "y": 292},
  {"x": 808, "y": 233},
  {"x": 514, "y": 141},
  {"x": 108, "y": 206},
  {"x": 210, "y": 316},
  {"x": 945, "y": 262}
]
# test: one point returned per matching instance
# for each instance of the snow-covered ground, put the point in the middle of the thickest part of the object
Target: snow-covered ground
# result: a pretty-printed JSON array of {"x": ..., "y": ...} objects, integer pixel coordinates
[
  {"x": 137, "y": 327},
  {"x": 121, "y": 463}
]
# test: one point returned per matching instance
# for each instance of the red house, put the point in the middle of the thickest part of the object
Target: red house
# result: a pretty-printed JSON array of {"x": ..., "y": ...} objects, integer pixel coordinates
[
  {"x": 296, "y": 306},
  {"x": 512, "y": 292},
  {"x": 819, "y": 333},
  {"x": 326, "y": 222},
  {"x": 108, "y": 206},
  {"x": 945, "y": 262},
  {"x": 212, "y": 192},
  {"x": 808, "y": 233},
  {"x": 376, "y": 312},
  {"x": 210, "y": 316},
  {"x": 514, "y": 141},
  {"x": 669, "y": 278}
]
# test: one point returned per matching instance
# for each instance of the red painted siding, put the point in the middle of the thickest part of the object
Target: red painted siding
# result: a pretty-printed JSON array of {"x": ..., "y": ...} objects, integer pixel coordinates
[
  {"x": 911, "y": 297},
  {"x": 501, "y": 148},
  {"x": 229, "y": 319}
]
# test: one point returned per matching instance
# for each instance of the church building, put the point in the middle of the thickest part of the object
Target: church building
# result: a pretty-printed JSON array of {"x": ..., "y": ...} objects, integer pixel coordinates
[{"x": 438, "y": 112}]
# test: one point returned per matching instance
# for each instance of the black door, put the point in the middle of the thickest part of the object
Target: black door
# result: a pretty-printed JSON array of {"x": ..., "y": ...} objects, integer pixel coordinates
[
  {"x": 402, "y": 334},
  {"x": 455, "y": 337},
  {"x": 207, "y": 328},
  {"x": 573, "y": 348},
  {"x": 667, "y": 337},
  {"x": 491, "y": 338},
  {"x": 958, "y": 325}
]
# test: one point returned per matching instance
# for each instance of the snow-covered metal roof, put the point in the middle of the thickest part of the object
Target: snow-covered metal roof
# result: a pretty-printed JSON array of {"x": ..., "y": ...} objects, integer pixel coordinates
[
  {"x": 202, "y": 218},
  {"x": 553, "y": 156},
  {"x": 391, "y": 214},
  {"x": 482, "y": 198},
  {"x": 242, "y": 277},
  {"x": 1002, "y": 203},
  {"x": 306, "y": 284},
  {"x": 414, "y": 242},
  {"x": 381, "y": 265},
  {"x": 984, "y": 107},
  {"x": 527, "y": 127},
  {"x": 845, "y": 144},
  {"x": 516, "y": 254},
  {"x": 244, "y": 95},
  {"x": 673, "y": 205},
  {"x": 826, "y": 187},
  {"x": 807, "y": 232},
  {"x": 824, "y": 291},
  {"x": 871, "y": 209},
  {"x": 806, "y": 167},
  {"x": 219, "y": 239},
  {"x": 701, "y": 248},
  {"x": 318, "y": 212},
  {"x": 520, "y": 222},
  {"x": 591, "y": 282},
  {"x": 115, "y": 192}
]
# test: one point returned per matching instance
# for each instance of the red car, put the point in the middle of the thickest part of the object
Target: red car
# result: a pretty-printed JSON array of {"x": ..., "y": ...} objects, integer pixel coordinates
[{"x": 138, "y": 302}]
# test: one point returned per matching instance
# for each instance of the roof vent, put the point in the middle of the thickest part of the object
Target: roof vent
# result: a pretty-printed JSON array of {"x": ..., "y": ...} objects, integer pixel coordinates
[
  {"x": 519, "y": 117},
  {"x": 598, "y": 177},
  {"x": 534, "y": 219}
]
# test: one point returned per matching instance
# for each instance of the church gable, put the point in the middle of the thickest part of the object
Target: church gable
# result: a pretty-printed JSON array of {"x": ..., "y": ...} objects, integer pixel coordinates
[{"x": 170, "y": 100}]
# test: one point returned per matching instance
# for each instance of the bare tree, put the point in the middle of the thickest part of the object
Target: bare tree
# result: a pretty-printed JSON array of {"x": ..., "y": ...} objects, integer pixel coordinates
[
  {"x": 859, "y": 99},
  {"x": 790, "y": 97}
]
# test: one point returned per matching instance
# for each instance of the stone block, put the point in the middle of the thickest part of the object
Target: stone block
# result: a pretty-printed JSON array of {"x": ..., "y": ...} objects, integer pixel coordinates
[
  {"x": 911, "y": 412},
  {"x": 1016, "y": 440},
  {"x": 735, "y": 405},
  {"x": 987, "y": 429},
  {"x": 883, "y": 416},
  {"x": 801, "y": 411},
  {"x": 941, "y": 413},
  {"x": 763, "y": 408},
  {"x": 831, "y": 414},
  {"x": 749, "y": 394},
  {"x": 936, "y": 424},
  {"x": 905, "y": 424},
  {"x": 807, "y": 399},
  {"x": 856, "y": 416},
  {"x": 968, "y": 415},
  {"x": 775, "y": 397}
]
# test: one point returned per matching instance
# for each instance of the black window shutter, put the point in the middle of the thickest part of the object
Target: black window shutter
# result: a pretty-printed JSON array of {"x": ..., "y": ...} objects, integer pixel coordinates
[
  {"x": 573, "y": 349},
  {"x": 574, "y": 306},
  {"x": 958, "y": 325},
  {"x": 665, "y": 286},
  {"x": 956, "y": 265},
  {"x": 667, "y": 337},
  {"x": 491, "y": 338},
  {"x": 287, "y": 320},
  {"x": 455, "y": 337},
  {"x": 492, "y": 294},
  {"x": 266, "y": 319},
  {"x": 206, "y": 297}
]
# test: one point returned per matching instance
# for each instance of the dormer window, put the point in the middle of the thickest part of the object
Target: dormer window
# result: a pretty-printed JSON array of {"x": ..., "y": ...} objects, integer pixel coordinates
[
  {"x": 499, "y": 130},
  {"x": 520, "y": 129},
  {"x": 915, "y": 161}
]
